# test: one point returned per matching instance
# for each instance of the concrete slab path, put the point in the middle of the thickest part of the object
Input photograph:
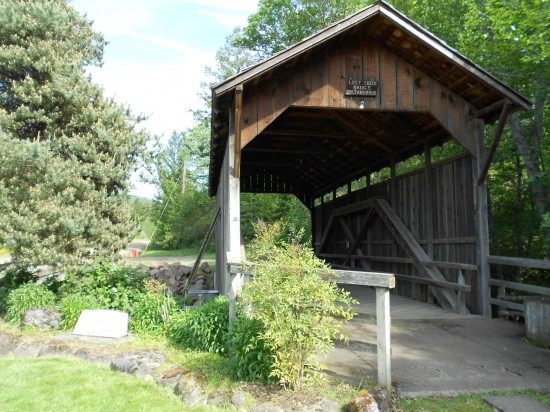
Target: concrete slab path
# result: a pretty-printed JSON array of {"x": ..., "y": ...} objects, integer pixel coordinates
[{"x": 440, "y": 353}]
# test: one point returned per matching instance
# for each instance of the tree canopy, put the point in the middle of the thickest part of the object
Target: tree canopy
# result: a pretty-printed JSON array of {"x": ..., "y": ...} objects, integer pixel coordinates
[{"x": 65, "y": 177}]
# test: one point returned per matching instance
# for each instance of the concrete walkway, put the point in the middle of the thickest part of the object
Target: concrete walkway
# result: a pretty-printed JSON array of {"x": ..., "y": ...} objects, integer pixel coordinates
[{"x": 435, "y": 352}]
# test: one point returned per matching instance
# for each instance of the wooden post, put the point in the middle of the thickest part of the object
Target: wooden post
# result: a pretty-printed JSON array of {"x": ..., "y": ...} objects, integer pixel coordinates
[
  {"x": 382, "y": 282},
  {"x": 232, "y": 215},
  {"x": 482, "y": 224},
  {"x": 383, "y": 327}
]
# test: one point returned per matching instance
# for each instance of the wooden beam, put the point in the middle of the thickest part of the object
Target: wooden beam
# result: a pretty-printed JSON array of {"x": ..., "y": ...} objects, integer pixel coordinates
[
  {"x": 537, "y": 290},
  {"x": 238, "y": 116},
  {"x": 496, "y": 139},
  {"x": 519, "y": 262}
]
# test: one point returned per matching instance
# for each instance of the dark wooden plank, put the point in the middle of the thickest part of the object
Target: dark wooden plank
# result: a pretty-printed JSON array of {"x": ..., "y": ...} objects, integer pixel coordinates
[
  {"x": 538, "y": 290},
  {"x": 421, "y": 91},
  {"x": 507, "y": 304},
  {"x": 443, "y": 284},
  {"x": 408, "y": 242},
  {"x": 337, "y": 78},
  {"x": 388, "y": 84},
  {"x": 405, "y": 85},
  {"x": 371, "y": 68},
  {"x": 249, "y": 125},
  {"x": 519, "y": 262}
]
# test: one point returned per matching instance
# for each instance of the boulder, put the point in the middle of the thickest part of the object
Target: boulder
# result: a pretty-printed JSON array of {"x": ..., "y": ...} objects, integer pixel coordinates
[
  {"x": 322, "y": 405},
  {"x": 363, "y": 402},
  {"x": 42, "y": 318},
  {"x": 140, "y": 363},
  {"x": 8, "y": 343},
  {"x": 171, "y": 376},
  {"x": 191, "y": 389}
]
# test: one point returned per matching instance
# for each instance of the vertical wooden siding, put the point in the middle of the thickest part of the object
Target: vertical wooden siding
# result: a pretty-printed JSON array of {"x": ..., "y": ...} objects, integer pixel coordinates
[
  {"x": 453, "y": 225},
  {"x": 320, "y": 81}
]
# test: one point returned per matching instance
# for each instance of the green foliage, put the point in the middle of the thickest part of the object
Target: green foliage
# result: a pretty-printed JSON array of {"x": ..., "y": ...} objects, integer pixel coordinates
[
  {"x": 249, "y": 355},
  {"x": 270, "y": 208},
  {"x": 301, "y": 309},
  {"x": 64, "y": 179},
  {"x": 26, "y": 297},
  {"x": 152, "y": 311},
  {"x": 279, "y": 24},
  {"x": 111, "y": 286},
  {"x": 181, "y": 217},
  {"x": 11, "y": 279},
  {"x": 203, "y": 328},
  {"x": 72, "y": 306}
]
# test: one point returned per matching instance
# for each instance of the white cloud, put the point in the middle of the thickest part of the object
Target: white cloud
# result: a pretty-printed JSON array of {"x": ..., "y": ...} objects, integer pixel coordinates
[{"x": 228, "y": 19}]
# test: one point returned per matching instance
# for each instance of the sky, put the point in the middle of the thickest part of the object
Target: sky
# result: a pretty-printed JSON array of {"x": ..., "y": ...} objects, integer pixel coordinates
[{"x": 156, "y": 55}]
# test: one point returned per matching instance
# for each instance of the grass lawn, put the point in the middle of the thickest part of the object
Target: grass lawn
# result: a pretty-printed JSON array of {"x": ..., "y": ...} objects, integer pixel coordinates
[
  {"x": 462, "y": 403},
  {"x": 59, "y": 384}
]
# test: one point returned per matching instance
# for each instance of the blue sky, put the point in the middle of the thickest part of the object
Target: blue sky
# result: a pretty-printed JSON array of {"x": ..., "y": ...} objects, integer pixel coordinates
[{"x": 157, "y": 53}]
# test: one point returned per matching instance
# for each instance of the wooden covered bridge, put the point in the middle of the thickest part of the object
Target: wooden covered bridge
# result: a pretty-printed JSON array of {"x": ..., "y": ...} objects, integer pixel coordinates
[{"x": 319, "y": 119}]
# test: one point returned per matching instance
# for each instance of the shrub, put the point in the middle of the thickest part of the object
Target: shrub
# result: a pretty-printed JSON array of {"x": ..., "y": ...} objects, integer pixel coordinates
[
  {"x": 153, "y": 310},
  {"x": 71, "y": 308},
  {"x": 26, "y": 297},
  {"x": 112, "y": 286},
  {"x": 291, "y": 294},
  {"x": 203, "y": 328},
  {"x": 249, "y": 356},
  {"x": 11, "y": 280}
]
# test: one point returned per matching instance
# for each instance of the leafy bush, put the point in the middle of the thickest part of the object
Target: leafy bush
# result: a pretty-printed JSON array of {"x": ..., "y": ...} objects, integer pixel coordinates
[
  {"x": 112, "y": 286},
  {"x": 11, "y": 280},
  {"x": 71, "y": 308},
  {"x": 203, "y": 328},
  {"x": 26, "y": 297},
  {"x": 153, "y": 310},
  {"x": 291, "y": 294},
  {"x": 249, "y": 356}
]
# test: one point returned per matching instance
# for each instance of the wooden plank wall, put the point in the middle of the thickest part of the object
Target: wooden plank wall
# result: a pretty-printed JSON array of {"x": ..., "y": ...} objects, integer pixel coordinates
[
  {"x": 320, "y": 81},
  {"x": 453, "y": 225}
]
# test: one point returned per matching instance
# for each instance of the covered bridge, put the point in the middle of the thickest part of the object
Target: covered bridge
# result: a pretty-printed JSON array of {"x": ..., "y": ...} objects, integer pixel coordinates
[{"x": 320, "y": 118}]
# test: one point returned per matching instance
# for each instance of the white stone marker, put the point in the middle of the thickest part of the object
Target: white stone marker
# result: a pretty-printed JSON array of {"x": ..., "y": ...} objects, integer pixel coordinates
[{"x": 102, "y": 323}]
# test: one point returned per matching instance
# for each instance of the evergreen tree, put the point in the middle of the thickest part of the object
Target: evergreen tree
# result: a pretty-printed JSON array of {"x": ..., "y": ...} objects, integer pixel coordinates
[{"x": 65, "y": 173}]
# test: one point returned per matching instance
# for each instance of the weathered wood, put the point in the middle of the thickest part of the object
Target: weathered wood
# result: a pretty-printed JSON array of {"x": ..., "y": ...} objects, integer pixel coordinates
[
  {"x": 482, "y": 224},
  {"x": 519, "y": 262},
  {"x": 449, "y": 285},
  {"x": 537, "y": 290},
  {"x": 407, "y": 241},
  {"x": 494, "y": 144},
  {"x": 376, "y": 279},
  {"x": 383, "y": 337},
  {"x": 507, "y": 304}
]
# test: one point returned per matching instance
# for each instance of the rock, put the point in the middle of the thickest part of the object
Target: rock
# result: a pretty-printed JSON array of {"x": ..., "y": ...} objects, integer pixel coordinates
[
  {"x": 381, "y": 397},
  {"x": 205, "y": 267},
  {"x": 42, "y": 318},
  {"x": 55, "y": 348},
  {"x": 171, "y": 376},
  {"x": 267, "y": 407},
  {"x": 241, "y": 400},
  {"x": 363, "y": 402},
  {"x": 154, "y": 273},
  {"x": 140, "y": 363},
  {"x": 191, "y": 389},
  {"x": 8, "y": 343},
  {"x": 27, "y": 350},
  {"x": 322, "y": 405},
  {"x": 93, "y": 357}
]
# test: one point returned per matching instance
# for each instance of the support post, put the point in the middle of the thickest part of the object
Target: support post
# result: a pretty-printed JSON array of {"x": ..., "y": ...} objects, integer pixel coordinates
[
  {"x": 383, "y": 326},
  {"x": 233, "y": 213},
  {"x": 482, "y": 224}
]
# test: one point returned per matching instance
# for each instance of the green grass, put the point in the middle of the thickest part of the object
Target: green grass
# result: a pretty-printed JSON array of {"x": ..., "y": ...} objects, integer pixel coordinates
[
  {"x": 462, "y": 402},
  {"x": 58, "y": 384},
  {"x": 177, "y": 252}
]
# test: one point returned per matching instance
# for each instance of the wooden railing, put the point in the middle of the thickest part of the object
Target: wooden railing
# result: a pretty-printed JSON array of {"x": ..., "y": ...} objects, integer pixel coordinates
[
  {"x": 501, "y": 300},
  {"x": 382, "y": 282},
  {"x": 460, "y": 287}
]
